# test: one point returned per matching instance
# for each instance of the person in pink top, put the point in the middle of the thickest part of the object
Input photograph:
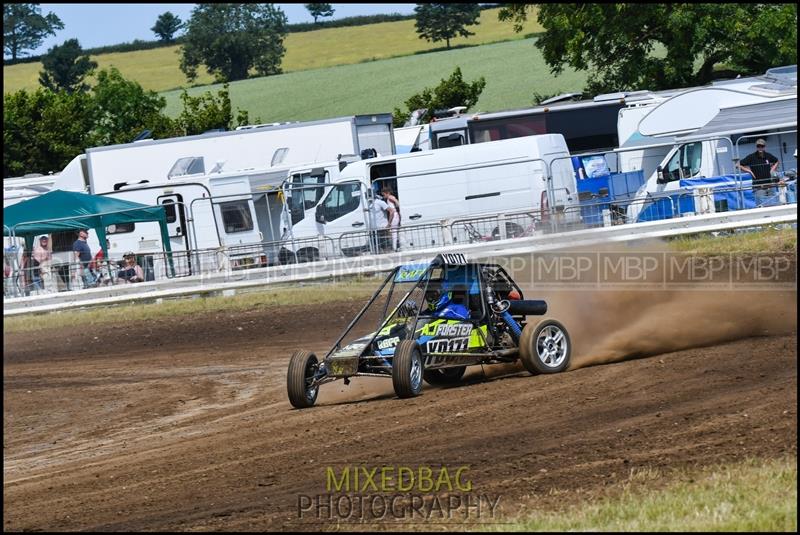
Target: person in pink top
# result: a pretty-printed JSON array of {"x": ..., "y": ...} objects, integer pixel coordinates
[{"x": 394, "y": 224}]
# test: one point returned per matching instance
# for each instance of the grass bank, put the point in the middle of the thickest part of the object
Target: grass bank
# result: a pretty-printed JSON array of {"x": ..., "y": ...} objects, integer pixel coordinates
[
  {"x": 513, "y": 71},
  {"x": 755, "y": 495},
  {"x": 771, "y": 239}
]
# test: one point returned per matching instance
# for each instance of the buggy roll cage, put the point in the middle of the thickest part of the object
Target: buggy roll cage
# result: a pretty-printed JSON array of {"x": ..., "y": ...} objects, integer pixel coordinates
[{"x": 439, "y": 262}]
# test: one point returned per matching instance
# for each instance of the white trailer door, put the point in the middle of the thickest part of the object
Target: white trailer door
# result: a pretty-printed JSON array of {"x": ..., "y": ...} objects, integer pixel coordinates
[{"x": 176, "y": 221}]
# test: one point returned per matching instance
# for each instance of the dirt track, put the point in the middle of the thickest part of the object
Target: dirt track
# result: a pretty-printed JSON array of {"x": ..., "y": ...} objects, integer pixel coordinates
[{"x": 185, "y": 425}]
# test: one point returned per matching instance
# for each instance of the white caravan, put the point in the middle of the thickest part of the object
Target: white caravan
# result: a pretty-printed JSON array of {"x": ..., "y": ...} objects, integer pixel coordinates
[
  {"x": 709, "y": 129},
  {"x": 206, "y": 212},
  {"x": 22, "y": 188},
  {"x": 242, "y": 211},
  {"x": 107, "y": 169},
  {"x": 431, "y": 186}
]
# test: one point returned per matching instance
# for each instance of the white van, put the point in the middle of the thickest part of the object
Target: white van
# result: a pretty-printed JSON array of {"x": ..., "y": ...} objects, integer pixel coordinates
[{"x": 445, "y": 184}]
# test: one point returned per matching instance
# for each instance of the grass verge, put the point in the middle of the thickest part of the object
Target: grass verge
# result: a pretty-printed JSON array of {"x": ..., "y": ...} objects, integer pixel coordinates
[
  {"x": 755, "y": 495},
  {"x": 772, "y": 239}
]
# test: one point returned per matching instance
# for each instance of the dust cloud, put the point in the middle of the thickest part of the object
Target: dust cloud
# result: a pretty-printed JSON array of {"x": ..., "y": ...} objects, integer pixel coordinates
[{"x": 608, "y": 324}]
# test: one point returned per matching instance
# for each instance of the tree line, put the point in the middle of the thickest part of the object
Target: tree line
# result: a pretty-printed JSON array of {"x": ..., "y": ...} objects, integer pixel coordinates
[{"x": 43, "y": 130}]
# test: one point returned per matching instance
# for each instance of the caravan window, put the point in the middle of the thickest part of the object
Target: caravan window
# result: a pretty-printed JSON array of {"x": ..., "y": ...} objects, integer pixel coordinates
[
  {"x": 278, "y": 156},
  {"x": 187, "y": 166},
  {"x": 62, "y": 241},
  {"x": 453, "y": 139},
  {"x": 121, "y": 228},
  {"x": 236, "y": 216},
  {"x": 484, "y": 130},
  {"x": 342, "y": 199},
  {"x": 686, "y": 162}
]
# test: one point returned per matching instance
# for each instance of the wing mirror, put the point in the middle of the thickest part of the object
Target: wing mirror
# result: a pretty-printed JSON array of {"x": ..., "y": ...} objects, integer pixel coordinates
[
  {"x": 320, "y": 215},
  {"x": 662, "y": 176}
]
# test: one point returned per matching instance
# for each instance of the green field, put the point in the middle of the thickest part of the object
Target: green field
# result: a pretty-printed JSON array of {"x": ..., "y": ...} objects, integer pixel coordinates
[
  {"x": 513, "y": 71},
  {"x": 157, "y": 69}
]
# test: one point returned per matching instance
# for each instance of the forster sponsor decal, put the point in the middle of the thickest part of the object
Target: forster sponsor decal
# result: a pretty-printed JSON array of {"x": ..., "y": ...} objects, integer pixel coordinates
[{"x": 458, "y": 329}]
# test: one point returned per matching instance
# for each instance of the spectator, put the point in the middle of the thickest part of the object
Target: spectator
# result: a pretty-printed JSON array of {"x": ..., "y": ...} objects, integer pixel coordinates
[
  {"x": 83, "y": 256},
  {"x": 131, "y": 271},
  {"x": 380, "y": 223},
  {"x": 99, "y": 266},
  {"x": 761, "y": 165},
  {"x": 394, "y": 222},
  {"x": 40, "y": 264}
]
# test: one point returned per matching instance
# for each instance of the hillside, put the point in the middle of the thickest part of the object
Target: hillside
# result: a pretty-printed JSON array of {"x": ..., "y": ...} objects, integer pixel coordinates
[
  {"x": 513, "y": 71},
  {"x": 157, "y": 69}
]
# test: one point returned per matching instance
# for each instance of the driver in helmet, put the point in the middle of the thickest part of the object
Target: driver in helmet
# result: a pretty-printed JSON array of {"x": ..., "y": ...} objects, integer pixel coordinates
[{"x": 441, "y": 305}]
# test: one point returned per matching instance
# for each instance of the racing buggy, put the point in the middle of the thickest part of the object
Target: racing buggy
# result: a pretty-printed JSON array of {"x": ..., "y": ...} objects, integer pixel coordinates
[{"x": 430, "y": 321}]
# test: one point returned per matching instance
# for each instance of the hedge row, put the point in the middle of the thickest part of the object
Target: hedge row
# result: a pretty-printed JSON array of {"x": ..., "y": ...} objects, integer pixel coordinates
[{"x": 139, "y": 44}]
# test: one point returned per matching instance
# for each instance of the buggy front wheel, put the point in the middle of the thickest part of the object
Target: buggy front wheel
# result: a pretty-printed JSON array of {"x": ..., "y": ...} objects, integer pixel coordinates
[
  {"x": 302, "y": 368},
  {"x": 545, "y": 348},
  {"x": 407, "y": 369}
]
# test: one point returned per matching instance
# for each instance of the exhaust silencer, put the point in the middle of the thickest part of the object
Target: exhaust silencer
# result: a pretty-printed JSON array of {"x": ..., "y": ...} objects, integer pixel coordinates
[{"x": 528, "y": 307}]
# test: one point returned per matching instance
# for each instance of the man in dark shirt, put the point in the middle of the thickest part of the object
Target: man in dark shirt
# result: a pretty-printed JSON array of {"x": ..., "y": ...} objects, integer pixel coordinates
[
  {"x": 761, "y": 164},
  {"x": 83, "y": 256}
]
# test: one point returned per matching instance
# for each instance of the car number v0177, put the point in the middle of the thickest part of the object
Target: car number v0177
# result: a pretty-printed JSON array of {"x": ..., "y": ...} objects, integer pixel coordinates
[{"x": 447, "y": 345}]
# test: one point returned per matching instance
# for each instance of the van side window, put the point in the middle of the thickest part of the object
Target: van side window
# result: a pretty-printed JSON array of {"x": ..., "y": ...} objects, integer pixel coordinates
[
  {"x": 301, "y": 200},
  {"x": 342, "y": 199},
  {"x": 686, "y": 162},
  {"x": 236, "y": 216}
]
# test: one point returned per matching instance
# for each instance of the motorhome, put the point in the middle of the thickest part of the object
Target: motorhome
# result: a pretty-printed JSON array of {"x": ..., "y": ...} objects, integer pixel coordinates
[
  {"x": 148, "y": 161},
  {"x": 587, "y": 125},
  {"x": 708, "y": 130},
  {"x": 437, "y": 185}
]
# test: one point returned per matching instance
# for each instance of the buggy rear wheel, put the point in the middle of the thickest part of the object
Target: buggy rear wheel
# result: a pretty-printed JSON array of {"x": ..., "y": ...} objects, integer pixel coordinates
[
  {"x": 302, "y": 367},
  {"x": 446, "y": 376},
  {"x": 545, "y": 348},
  {"x": 407, "y": 369}
]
